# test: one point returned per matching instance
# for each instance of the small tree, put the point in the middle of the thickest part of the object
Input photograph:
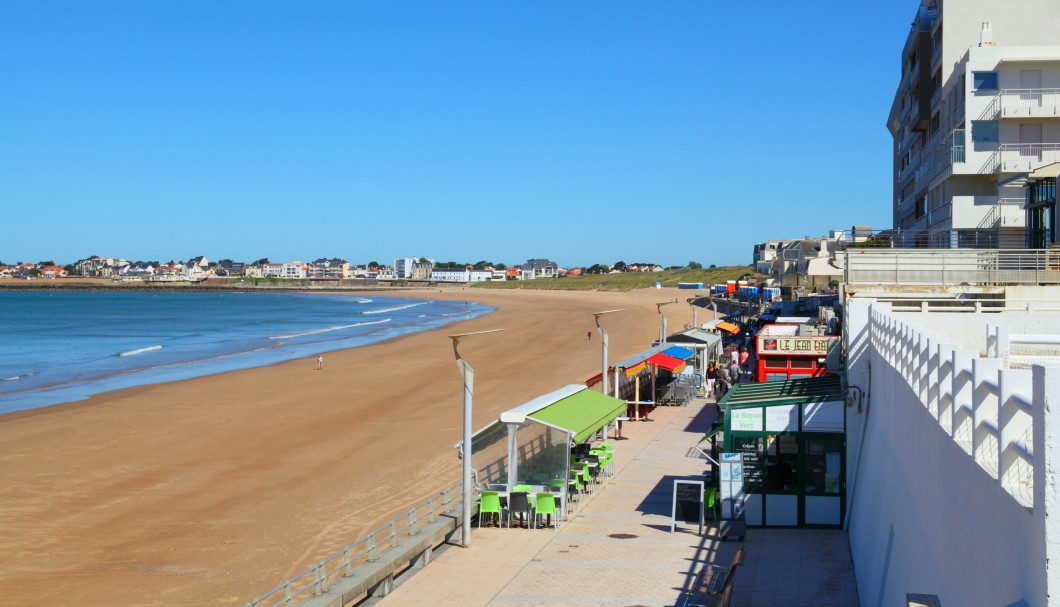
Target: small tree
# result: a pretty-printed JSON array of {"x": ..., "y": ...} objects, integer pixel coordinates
[
  {"x": 45, "y": 263},
  {"x": 260, "y": 262},
  {"x": 695, "y": 265},
  {"x": 620, "y": 266}
]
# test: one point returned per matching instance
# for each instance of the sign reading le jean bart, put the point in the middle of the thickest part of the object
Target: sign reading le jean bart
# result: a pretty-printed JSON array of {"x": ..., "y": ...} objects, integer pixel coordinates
[{"x": 795, "y": 345}]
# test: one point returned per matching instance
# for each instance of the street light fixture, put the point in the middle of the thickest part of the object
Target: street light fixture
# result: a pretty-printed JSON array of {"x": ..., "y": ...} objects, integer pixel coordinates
[
  {"x": 465, "y": 452},
  {"x": 659, "y": 307},
  {"x": 692, "y": 303},
  {"x": 603, "y": 345}
]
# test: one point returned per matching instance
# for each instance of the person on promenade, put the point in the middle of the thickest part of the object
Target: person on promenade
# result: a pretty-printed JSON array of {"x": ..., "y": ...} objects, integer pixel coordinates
[
  {"x": 320, "y": 363},
  {"x": 734, "y": 370},
  {"x": 734, "y": 361},
  {"x": 744, "y": 357},
  {"x": 712, "y": 377}
]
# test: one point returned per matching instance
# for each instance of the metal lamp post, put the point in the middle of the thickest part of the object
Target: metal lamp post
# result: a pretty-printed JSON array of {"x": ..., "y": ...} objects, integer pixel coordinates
[
  {"x": 692, "y": 303},
  {"x": 603, "y": 345},
  {"x": 662, "y": 330},
  {"x": 465, "y": 451}
]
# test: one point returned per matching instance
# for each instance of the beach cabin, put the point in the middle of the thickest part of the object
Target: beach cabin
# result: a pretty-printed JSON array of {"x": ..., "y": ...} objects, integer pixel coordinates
[
  {"x": 533, "y": 443},
  {"x": 792, "y": 435}
]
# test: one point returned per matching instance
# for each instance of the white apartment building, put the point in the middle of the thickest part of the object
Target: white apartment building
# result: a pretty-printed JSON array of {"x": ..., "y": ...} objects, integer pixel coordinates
[
  {"x": 290, "y": 269},
  {"x": 976, "y": 109},
  {"x": 460, "y": 275},
  {"x": 414, "y": 268}
]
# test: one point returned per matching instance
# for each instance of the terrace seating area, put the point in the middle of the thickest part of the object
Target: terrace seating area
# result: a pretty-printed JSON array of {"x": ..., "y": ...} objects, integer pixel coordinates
[
  {"x": 524, "y": 505},
  {"x": 617, "y": 547}
]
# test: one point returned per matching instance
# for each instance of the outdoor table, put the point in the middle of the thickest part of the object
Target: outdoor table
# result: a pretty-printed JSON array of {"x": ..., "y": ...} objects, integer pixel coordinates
[{"x": 535, "y": 489}]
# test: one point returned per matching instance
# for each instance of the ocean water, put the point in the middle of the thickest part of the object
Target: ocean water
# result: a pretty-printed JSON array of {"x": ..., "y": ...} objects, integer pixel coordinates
[{"x": 60, "y": 347}]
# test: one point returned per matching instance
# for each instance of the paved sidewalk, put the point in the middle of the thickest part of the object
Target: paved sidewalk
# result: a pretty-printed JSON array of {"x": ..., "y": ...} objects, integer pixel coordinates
[{"x": 618, "y": 551}]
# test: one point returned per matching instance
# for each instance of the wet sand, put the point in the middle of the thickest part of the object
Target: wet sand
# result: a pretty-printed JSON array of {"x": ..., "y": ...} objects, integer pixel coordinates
[{"x": 213, "y": 490}]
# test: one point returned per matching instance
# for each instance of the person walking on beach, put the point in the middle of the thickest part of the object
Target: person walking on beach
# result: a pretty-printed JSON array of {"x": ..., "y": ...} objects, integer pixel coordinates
[
  {"x": 320, "y": 363},
  {"x": 589, "y": 335}
]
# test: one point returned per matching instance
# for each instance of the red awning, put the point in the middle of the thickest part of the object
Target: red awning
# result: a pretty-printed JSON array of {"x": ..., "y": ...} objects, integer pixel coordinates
[{"x": 667, "y": 362}]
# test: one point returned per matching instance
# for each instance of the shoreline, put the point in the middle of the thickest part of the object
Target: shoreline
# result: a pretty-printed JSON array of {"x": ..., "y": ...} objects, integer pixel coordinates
[
  {"x": 214, "y": 489},
  {"x": 17, "y": 397}
]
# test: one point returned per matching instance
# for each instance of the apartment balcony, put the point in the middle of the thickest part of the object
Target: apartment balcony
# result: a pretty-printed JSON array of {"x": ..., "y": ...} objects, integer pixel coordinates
[
  {"x": 1024, "y": 103},
  {"x": 1021, "y": 157},
  {"x": 986, "y": 212}
]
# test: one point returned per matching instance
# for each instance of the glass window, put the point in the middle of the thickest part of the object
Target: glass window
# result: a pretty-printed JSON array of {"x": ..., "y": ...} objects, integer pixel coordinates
[
  {"x": 984, "y": 81},
  {"x": 984, "y": 130},
  {"x": 782, "y": 459},
  {"x": 823, "y": 466},
  {"x": 802, "y": 363}
]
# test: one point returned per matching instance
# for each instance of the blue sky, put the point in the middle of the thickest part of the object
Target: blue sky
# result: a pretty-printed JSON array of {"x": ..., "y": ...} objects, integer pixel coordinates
[{"x": 584, "y": 132}]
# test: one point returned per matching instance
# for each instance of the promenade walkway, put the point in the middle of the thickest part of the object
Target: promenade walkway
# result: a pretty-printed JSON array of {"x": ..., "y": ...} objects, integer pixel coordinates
[{"x": 617, "y": 550}]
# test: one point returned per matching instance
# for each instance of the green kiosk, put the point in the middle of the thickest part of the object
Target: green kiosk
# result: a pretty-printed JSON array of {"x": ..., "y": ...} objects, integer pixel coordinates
[{"x": 792, "y": 435}]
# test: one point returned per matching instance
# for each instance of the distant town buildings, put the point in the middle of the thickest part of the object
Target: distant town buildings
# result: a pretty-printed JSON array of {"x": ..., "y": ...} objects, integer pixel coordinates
[
  {"x": 419, "y": 269},
  {"x": 334, "y": 268},
  {"x": 538, "y": 268}
]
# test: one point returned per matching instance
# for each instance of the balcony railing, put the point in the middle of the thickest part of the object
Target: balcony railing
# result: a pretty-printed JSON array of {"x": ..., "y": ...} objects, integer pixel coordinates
[
  {"x": 1021, "y": 157},
  {"x": 1007, "y": 212},
  {"x": 1022, "y": 103},
  {"x": 952, "y": 267}
]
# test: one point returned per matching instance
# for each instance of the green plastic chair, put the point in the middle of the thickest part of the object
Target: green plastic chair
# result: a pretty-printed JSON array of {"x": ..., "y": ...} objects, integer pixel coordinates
[
  {"x": 489, "y": 503},
  {"x": 558, "y": 483},
  {"x": 605, "y": 459},
  {"x": 576, "y": 481},
  {"x": 606, "y": 446},
  {"x": 585, "y": 477},
  {"x": 522, "y": 488},
  {"x": 546, "y": 505},
  {"x": 709, "y": 499}
]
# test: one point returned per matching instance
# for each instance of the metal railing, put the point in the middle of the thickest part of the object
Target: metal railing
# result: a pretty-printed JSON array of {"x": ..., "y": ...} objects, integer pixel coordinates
[
  {"x": 1017, "y": 103},
  {"x": 1007, "y": 211},
  {"x": 319, "y": 578},
  {"x": 951, "y": 266},
  {"x": 1021, "y": 157}
]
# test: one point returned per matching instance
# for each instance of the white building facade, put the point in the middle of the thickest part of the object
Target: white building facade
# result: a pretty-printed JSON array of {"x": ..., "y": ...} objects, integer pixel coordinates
[
  {"x": 460, "y": 275},
  {"x": 977, "y": 107},
  {"x": 413, "y": 268}
]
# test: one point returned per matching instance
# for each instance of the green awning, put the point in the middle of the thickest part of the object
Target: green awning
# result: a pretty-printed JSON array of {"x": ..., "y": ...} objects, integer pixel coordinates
[
  {"x": 792, "y": 391},
  {"x": 582, "y": 413}
]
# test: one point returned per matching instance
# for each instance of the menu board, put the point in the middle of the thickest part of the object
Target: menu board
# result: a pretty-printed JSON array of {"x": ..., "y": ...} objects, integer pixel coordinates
[
  {"x": 687, "y": 503},
  {"x": 732, "y": 485},
  {"x": 754, "y": 470}
]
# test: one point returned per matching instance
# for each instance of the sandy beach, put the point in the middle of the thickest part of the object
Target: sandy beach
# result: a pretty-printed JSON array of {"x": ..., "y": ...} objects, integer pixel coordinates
[{"x": 212, "y": 490}]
